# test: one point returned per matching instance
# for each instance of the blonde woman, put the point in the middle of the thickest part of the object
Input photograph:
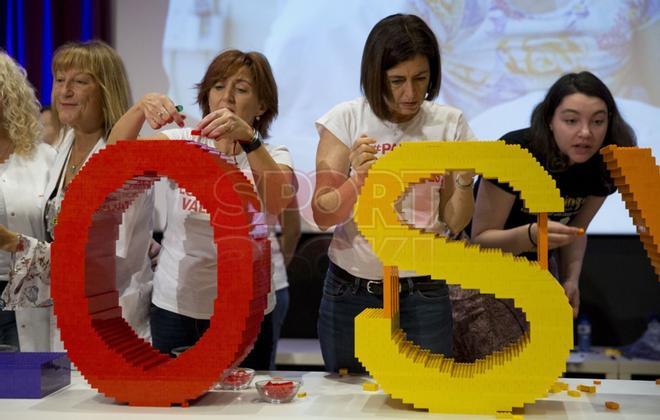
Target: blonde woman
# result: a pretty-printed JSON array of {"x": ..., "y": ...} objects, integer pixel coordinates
[
  {"x": 24, "y": 163},
  {"x": 90, "y": 93}
]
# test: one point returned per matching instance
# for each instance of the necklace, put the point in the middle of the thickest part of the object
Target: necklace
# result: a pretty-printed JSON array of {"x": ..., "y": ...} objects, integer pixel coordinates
[
  {"x": 73, "y": 168},
  {"x": 77, "y": 163}
]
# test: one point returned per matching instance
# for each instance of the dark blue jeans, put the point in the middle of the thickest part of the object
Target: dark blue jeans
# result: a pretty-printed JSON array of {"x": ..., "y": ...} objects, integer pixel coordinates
[
  {"x": 424, "y": 316},
  {"x": 278, "y": 316},
  {"x": 170, "y": 330},
  {"x": 262, "y": 352}
]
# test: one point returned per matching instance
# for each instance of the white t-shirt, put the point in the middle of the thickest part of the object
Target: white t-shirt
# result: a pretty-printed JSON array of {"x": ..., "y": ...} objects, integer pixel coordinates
[
  {"x": 185, "y": 279},
  {"x": 350, "y": 120}
]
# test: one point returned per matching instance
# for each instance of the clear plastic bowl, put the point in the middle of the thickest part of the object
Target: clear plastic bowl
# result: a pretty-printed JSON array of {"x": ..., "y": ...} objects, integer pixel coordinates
[
  {"x": 278, "y": 391},
  {"x": 236, "y": 378}
]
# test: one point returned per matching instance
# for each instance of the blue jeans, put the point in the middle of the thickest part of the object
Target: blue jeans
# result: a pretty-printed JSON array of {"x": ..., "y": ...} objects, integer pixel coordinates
[
  {"x": 262, "y": 352},
  {"x": 170, "y": 330},
  {"x": 277, "y": 317},
  {"x": 424, "y": 316}
]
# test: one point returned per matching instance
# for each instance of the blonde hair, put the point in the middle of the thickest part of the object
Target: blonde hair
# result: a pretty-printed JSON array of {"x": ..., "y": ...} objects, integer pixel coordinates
[
  {"x": 106, "y": 67},
  {"x": 19, "y": 107}
]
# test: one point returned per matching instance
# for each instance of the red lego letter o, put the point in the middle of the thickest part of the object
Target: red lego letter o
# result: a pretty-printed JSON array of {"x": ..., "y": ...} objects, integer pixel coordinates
[{"x": 98, "y": 340}]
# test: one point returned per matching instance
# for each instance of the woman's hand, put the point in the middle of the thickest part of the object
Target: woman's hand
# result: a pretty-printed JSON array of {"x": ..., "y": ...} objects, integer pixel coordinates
[
  {"x": 558, "y": 234},
  {"x": 224, "y": 124},
  {"x": 159, "y": 110},
  {"x": 8, "y": 240},
  {"x": 154, "y": 252},
  {"x": 362, "y": 155}
]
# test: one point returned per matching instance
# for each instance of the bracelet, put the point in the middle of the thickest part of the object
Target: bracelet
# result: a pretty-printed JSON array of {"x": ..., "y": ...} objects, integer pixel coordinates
[
  {"x": 464, "y": 186},
  {"x": 254, "y": 143},
  {"x": 529, "y": 233}
]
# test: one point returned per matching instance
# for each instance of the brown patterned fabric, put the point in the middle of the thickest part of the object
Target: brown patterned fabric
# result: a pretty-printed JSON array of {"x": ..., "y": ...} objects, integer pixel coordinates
[
  {"x": 29, "y": 276},
  {"x": 483, "y": 324}
]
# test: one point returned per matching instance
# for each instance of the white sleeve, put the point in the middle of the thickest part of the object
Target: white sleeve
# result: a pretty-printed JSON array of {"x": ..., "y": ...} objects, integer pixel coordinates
[
  {"x": 463, "y": 130},
  {"x": 280, "y": 155},
  {"x": 337, "y": 122}
]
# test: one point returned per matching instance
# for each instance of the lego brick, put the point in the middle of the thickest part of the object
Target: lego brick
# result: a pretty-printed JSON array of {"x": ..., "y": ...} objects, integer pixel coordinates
[
  {"x": 107, "y": 351},
  {"x": 637, "y": 177},
  {"x": 504, "y": 380}
]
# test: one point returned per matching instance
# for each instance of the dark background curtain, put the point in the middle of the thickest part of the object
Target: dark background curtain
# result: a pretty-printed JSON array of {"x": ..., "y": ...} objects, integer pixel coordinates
[{"x": 33, "y": 29}]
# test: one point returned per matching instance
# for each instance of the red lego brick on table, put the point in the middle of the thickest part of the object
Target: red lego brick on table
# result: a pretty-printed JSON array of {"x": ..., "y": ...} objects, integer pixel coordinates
[{"x": 104, "y": 347}]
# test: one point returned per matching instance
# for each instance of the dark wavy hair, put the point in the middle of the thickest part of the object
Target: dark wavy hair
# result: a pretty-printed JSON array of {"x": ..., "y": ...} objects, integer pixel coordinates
[
  {"x": 395, "y": 39},
  {"x": 228, "y": 63},
  {"x": 542, "y": 141}
]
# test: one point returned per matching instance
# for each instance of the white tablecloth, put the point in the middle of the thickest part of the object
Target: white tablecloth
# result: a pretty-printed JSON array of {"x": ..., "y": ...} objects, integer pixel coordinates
[{"x": 328, "y": 397}]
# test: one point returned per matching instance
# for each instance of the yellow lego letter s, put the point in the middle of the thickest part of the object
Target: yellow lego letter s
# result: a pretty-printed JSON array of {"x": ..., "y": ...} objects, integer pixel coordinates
[{"x": 522, "y": 372}]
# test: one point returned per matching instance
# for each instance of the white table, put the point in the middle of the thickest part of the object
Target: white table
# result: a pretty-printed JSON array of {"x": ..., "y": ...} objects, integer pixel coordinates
[
  {"x": 629, "y": 367},
  {"x": 328, "y": 397},
  {"x": 595, "y": 362},
  {"x": 299, "y": 351}
]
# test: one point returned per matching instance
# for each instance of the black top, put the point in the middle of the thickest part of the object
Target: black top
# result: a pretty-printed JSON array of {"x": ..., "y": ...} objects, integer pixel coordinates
[{"x": 575, "y": 183}]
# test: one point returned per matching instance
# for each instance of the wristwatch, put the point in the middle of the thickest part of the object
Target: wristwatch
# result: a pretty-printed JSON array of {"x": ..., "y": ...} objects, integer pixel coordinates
[{"x": 254, "y": 143}]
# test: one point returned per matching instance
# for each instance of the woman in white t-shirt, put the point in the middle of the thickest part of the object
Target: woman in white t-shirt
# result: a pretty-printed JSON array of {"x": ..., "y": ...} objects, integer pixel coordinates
[
  {"x": 238, "y": 97},
  {"x": 400, "y": 77}
]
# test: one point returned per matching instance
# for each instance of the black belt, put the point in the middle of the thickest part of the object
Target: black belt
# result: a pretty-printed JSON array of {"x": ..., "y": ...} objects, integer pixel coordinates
[{"x": 375, "y": 287}]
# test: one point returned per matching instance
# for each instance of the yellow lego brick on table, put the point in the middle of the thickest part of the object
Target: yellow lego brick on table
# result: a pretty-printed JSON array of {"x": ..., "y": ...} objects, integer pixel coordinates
[
  {"x": 573, "y": 393},
  {"x": 591, "y": 389},
  {"x": 555, "y": 389},
  {"x": 370, "y": 386}
]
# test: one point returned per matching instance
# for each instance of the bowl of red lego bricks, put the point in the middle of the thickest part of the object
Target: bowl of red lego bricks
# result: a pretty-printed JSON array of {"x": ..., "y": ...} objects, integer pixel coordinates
[
  {"x": 277, "y": 391},
  {"x": 236, "y": 378}
]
